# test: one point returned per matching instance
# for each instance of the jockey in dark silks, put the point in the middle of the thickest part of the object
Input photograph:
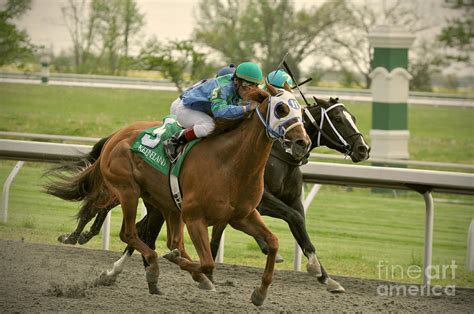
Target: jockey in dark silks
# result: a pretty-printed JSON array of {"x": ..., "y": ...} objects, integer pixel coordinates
[{"x": 230, "y": 69}]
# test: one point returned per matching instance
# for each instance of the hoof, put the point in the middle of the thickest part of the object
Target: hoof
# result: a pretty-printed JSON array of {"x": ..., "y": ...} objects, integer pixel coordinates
[
  {"x": 153, "y": 289},
  {"x": 67, "y": 239},
  {"x": 279, "y": 259},
  {"x": 334, "y": 286},
  {"x": 257, "y": 298},
  {"x": 172, "y": 255},
  {"x": 206, "y": 284},
  {"x": 105, "y": 279},
  {"x": 314, "y": 269}
]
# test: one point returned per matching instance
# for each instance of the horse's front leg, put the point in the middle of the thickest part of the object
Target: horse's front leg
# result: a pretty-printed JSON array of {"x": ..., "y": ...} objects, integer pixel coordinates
[
  {"x": 254, "y": 226},
  {"x": 293, "y": 214},
  {"x": 178, "y": 254}
]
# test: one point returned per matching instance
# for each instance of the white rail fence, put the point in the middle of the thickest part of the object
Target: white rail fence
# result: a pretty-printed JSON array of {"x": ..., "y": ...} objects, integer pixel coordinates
[
  {"x": 398, "y": 162},
  {"x": 348, "y": 94},
  {"x": 423, "y": 181}
]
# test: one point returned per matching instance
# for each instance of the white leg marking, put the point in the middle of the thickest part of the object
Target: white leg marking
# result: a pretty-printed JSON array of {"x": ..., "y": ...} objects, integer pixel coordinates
[{"x": 118, "y": 265}]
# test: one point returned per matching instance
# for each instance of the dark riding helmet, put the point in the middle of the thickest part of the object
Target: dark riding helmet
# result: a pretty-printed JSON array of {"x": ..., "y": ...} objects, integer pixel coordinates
[{"x": 230, "y": 69}]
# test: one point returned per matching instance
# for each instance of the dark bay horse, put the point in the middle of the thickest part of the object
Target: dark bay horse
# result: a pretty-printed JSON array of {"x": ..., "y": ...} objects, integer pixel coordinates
[
  {"x": 284, "y": 179},
  {"x": 221, "y": 180},
  {"x": 283, "y": 186}
]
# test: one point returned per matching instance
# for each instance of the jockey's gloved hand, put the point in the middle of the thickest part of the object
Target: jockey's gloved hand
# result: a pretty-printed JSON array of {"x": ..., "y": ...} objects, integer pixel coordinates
[{"x": 250, "y": 105}]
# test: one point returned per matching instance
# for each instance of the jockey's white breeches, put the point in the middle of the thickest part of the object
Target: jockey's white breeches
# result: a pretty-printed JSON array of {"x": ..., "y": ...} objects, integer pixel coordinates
[{"x": 201, "y": 122}]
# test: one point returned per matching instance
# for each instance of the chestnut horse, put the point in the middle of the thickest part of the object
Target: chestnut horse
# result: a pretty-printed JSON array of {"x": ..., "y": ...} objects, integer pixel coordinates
[
  {"x": 221, "y": 180},
  {"x": 328, "y": 123}
]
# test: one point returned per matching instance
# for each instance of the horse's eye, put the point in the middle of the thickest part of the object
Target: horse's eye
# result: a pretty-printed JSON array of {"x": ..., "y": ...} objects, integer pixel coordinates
[
  {"x": 338, "y": 119},
  {"x": 281, "y": 110}
]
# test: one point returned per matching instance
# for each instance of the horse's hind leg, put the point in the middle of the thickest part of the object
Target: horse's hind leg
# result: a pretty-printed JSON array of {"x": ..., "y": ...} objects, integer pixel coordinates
[
  {"x": 128, "y": 197},
  {"x": 254, "y": 226},
  {"x": 85, "y": 236},
  {"x": 71, "y": 238},
  {"x": 216, "y": 236},
  {"x": 148, "y": 229},
  {"x": 264, "y": 248}
]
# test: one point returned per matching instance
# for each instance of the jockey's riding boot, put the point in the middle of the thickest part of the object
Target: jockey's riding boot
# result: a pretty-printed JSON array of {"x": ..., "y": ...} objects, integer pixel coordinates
[{"x": 173, "y": 144}]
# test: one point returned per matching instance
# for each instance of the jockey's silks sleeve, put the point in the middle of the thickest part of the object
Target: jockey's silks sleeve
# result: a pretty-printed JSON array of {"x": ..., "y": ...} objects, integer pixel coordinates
[
  {"x": 216, "y": 97},
  {"x": 220, "y": 106}
]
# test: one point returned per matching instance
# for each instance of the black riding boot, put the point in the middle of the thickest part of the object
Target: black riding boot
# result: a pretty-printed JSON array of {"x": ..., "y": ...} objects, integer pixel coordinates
[{"x": 173, "y": 144}]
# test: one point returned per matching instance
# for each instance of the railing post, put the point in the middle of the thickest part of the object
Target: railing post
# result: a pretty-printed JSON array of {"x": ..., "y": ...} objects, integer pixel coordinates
[
  {"x": 220, "y": 251},
  {"x": 6, "y": 189},
  {"x": 429, "y": 218},
  {"x": 470, "y": 247},
  {"x": 106, "y": 231}
]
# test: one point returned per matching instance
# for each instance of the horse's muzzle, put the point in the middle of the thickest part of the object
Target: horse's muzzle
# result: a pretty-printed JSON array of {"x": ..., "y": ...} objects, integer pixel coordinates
[
  {"x": 360, "y": 152},
  {"x": 300, "y": 148}
]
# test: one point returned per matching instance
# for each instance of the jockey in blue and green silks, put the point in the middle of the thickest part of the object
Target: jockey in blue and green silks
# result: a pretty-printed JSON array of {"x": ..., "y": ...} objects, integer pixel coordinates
[{"x": 206, "y": 100}]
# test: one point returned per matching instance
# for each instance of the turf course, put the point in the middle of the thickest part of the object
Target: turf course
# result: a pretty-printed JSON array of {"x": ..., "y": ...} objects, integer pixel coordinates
[{"x": 354, "y": 230}]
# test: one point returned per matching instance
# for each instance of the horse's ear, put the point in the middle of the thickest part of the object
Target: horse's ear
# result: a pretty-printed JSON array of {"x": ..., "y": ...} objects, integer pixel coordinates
[
  {"x": 273, "y": 91},
  {"x": 333, "y": 100},
  {"x": 319, "y": 101},
  {"x": 287, "y": 87}
]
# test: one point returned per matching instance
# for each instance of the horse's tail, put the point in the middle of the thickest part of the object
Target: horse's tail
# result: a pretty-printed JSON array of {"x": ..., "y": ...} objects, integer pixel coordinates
[
  {"x": 81, "y": 181},
  {"x": 83, "y": 162}
]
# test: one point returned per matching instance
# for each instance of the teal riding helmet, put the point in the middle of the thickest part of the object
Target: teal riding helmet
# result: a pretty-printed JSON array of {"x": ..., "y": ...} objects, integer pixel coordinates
[
  {"x": 250, "y": 72},
  {"x": 278, "y": 78}
]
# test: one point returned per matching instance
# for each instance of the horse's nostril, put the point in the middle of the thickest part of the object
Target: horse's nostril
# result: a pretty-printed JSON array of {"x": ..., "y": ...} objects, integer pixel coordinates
[
  {"x": 362, "y": 149},
  {"x": 301, "y": 143}
]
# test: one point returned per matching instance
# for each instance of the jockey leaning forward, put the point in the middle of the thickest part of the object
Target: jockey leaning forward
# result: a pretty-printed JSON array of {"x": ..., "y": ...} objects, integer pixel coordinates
[{"x": 219, "y": 97}]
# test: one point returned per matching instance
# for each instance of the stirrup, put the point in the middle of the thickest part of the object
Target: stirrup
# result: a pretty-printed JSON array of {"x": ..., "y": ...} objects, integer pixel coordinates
[{"x": 172, "y": 149}]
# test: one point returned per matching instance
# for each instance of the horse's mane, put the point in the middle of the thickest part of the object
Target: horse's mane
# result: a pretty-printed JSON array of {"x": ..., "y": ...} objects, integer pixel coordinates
[
  {"x": 324, "y": 103},
  {"x": 224, "y": 125}
]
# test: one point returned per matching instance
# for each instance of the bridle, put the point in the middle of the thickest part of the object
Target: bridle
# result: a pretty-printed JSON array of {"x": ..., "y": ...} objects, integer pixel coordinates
[
  {"x": 277, "y": 127},
  {"x": 342, "y": 144}
]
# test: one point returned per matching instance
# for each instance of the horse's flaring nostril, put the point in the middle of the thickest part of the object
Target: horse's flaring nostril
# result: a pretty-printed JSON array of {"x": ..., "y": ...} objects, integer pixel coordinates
[{"x": 301, "y": 143}]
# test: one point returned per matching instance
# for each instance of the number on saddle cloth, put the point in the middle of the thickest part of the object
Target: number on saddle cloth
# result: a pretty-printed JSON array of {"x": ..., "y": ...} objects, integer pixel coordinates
[
  {"x": 152, "y": 140},
  {"x": 149, "y": 146}
]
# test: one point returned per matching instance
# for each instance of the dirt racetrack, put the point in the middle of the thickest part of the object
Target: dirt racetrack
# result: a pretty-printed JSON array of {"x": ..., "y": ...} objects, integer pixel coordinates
[{"x": 38, "y": 278}]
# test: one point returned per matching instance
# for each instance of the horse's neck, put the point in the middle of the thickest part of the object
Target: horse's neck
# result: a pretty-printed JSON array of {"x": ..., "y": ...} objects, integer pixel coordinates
[
  {"x": 279, "y": 153},
  {"x": 248, "y": 146}
]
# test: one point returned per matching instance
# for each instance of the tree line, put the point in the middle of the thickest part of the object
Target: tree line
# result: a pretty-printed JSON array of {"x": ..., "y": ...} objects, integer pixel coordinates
[{"x": 335, "y": 34}]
